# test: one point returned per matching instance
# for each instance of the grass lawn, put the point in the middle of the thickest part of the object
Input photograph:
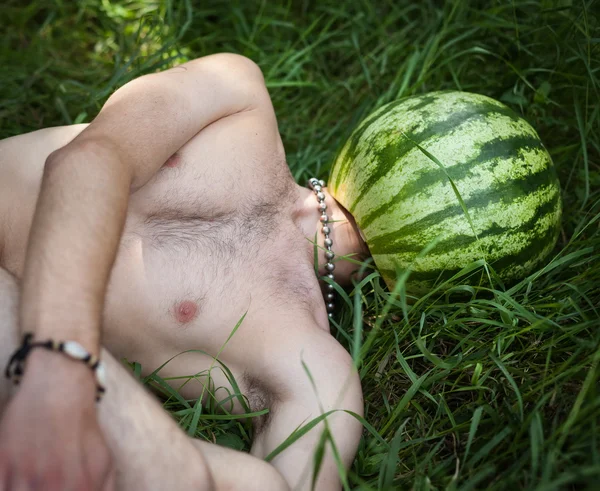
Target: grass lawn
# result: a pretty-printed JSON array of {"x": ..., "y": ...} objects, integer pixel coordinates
[{"x": 496, "y": 390}]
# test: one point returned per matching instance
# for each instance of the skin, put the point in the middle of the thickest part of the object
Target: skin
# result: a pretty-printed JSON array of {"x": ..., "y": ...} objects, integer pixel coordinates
[{"x": 146, "y": 234}]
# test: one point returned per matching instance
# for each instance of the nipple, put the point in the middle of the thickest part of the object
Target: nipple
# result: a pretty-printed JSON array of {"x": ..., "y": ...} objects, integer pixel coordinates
[
  {"x": 185, "y": 311},
  {"x": 172, "y": 161}
]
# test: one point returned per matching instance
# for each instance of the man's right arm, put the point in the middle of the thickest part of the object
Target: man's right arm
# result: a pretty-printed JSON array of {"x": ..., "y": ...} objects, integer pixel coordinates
[
  {"x": 74, "y": 238},
  {"x": 317, "y": 377}
]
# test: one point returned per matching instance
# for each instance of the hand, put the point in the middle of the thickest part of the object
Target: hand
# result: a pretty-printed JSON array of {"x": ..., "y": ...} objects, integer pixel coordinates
[{"x": 49, "y": 434}]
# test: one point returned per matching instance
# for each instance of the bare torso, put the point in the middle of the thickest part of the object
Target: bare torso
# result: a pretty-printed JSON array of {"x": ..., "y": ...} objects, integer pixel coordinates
[
  {"x": 210, "y": 241},
  {"x": 179, "y": 190}
]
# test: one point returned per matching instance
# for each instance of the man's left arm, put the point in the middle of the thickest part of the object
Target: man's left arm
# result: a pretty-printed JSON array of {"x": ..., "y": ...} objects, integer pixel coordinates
[{"x": 317, "y": 376}]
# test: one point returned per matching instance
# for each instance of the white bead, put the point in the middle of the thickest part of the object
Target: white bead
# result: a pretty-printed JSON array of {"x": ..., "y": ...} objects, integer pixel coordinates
[
  {"x": 75, "y": 350},
  {"x": 101, "y": 374}
]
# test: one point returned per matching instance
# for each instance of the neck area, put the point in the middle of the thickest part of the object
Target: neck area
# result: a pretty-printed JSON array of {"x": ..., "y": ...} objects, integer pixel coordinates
[{"x": 347, "y": 242}]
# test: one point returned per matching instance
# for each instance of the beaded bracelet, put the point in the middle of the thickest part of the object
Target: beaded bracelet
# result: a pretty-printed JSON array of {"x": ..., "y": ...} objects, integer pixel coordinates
[{"x": 15, "y": 368}]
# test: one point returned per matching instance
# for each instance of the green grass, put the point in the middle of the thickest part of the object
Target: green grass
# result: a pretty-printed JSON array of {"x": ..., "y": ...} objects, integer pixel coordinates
[{"x": 496, "y": 389}]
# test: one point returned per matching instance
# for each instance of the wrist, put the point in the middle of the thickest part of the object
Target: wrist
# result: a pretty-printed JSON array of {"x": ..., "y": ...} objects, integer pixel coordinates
[
  {"x": 84, "y": 332},
  {"x": 56, "y": 366},
  {"x": 52, "y": 377}
]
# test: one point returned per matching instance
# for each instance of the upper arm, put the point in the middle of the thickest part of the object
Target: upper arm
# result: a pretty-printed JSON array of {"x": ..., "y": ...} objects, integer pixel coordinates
[
  {"x": 151, "y": 117},
  {"x": 336, "y": 389}
]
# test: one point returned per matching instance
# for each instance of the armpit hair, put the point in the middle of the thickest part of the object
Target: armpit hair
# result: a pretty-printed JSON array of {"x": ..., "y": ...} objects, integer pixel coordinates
[{"x": 259, "y": 397}]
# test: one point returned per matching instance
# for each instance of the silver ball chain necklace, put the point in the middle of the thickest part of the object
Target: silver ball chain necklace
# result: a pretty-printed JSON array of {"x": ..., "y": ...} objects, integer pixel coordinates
[{"x": 317, "y": 186}]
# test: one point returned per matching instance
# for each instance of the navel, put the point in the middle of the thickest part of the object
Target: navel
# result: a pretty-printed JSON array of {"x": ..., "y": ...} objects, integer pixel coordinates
[
  {"x": 173, "y": 160},
  {"x": 185, "y": 311}
]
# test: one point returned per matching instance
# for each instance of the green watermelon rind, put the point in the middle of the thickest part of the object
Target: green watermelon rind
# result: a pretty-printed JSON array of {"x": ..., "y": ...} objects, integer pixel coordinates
[{"x": 403, "y": 201}]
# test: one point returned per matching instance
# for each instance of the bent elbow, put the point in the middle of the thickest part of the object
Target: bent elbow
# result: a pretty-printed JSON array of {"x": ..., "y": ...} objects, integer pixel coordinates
[{"x": 229, "y": 62}]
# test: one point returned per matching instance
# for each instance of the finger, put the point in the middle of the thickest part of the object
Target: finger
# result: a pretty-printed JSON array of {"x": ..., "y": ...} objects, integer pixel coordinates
[
  {"x": 4, "y": 476},
  {"x": 17, "y": 484},
  {"x": 5, "y": 479}
]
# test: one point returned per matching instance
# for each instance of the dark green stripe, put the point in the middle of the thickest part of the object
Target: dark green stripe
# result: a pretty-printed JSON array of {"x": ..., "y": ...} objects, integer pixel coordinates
[
  {"x": 534, "y": 249},
  {"x": 388, "y": 157},
  {"x": 355, "y": 139},
  {"x": 494, "y": 149},
  {"x": 363, "y": 126},
  {"x": 505, "y": 193},
  {"x": 461, "y": 240}
]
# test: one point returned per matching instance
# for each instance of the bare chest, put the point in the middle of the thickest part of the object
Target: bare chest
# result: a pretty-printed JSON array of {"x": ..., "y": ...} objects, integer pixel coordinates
[
  {"x": 201, "y": 277},
  {"x": 208, "y": 263}
]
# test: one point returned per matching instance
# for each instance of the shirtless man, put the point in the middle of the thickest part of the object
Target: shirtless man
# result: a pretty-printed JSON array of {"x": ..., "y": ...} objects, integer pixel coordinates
[{"x": 150, "y": 232}]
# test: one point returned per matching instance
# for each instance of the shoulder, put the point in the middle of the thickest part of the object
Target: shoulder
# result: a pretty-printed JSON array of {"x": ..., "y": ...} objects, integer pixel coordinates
[
  {"x": 22, "y": 159},
  {"x": 299, "y": 359},
  {"x": 309, "y": 362},
  {"x": 37, "y": 145}
]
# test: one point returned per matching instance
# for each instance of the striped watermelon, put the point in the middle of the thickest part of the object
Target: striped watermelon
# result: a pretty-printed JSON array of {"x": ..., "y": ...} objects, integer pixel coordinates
[{"x": 387, "y": 176}]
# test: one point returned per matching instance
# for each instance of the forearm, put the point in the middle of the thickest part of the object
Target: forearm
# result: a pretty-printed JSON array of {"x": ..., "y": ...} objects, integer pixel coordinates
[{"x": 73, "y": 242}]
